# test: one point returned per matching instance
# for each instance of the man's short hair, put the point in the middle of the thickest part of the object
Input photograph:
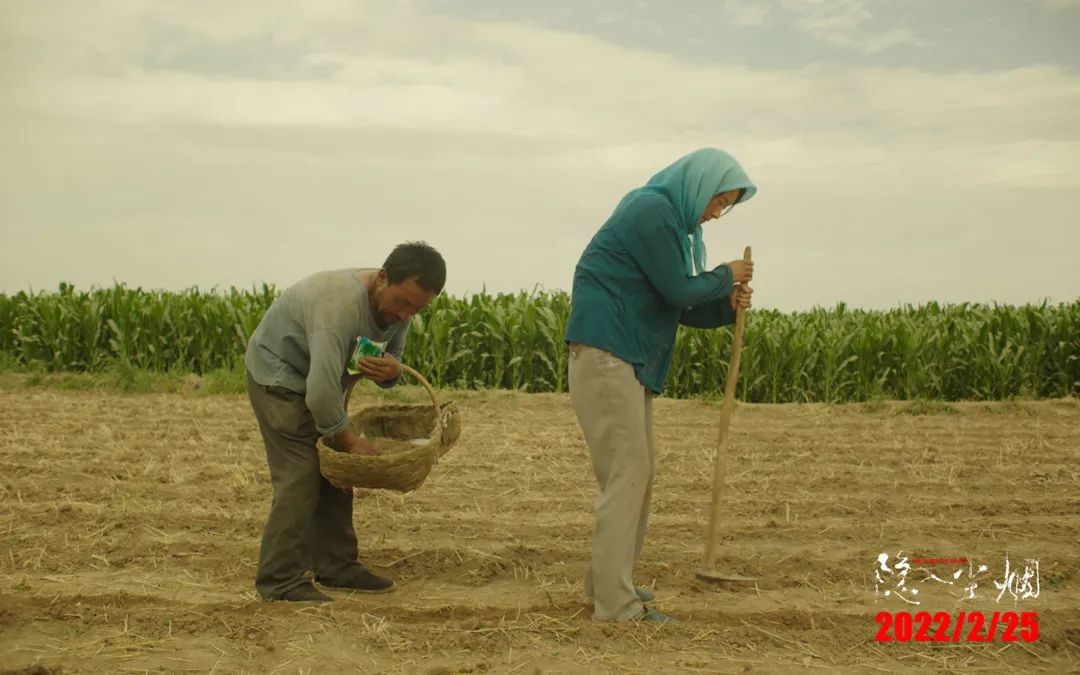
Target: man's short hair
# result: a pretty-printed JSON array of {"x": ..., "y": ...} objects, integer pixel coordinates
[{"x": 416, "y": 259}]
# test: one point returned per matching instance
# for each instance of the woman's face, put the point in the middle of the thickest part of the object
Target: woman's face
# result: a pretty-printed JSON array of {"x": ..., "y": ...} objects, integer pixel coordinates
[{"x": 720, "y": 204}]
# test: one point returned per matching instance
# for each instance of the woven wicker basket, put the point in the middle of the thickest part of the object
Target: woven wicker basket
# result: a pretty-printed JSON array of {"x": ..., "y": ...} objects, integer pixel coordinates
[{"x": 410, "y": 438}]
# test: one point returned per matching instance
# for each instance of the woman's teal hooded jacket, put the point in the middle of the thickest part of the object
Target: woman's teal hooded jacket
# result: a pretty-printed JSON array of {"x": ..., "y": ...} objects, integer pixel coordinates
[{"x": 644, "y": 272}]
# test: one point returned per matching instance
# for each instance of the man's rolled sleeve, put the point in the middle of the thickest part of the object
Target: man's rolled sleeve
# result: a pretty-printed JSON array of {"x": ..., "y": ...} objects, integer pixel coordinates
[{"x": 324, "y": 397}]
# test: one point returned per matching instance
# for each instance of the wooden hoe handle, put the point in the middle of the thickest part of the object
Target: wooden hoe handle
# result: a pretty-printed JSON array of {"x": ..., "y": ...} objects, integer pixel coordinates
[{"x": 720, "y": 466}]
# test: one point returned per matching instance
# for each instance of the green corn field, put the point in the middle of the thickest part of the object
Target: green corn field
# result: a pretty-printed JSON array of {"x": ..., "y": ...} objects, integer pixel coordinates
[{"x": 514, "y": 341}]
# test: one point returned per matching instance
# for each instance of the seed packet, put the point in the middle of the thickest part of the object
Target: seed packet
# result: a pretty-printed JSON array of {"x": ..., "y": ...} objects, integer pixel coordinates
[{"x": 364, "y": 348}]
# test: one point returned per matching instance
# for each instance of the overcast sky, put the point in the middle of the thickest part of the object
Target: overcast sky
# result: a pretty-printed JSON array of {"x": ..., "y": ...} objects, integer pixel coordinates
[{"x": 904, "y": 150}]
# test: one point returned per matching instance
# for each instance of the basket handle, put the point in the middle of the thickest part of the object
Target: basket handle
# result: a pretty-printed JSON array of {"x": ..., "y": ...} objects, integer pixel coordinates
[{"x": 353, "y": 379}]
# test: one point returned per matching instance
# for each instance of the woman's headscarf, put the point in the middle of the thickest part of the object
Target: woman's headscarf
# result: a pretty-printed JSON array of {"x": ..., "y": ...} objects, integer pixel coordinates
[{"x": 693, "y": 180}]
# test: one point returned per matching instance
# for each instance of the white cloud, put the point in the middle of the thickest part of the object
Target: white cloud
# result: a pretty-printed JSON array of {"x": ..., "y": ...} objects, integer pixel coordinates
[
  {"x": 504, "y": 145},
  {"x": 746, "y": 14},
  {"x": 843, "y": 23}
]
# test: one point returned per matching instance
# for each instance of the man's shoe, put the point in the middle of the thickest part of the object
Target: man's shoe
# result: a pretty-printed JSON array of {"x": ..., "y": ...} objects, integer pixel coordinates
[
  {"x": 303, "y": 593},
  {"x": 658, "y": 617},
  {"x": 360, "y": 580}
]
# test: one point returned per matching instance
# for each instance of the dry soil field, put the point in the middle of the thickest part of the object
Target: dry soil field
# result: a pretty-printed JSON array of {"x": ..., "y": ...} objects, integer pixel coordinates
[{"x": 129, "y": 528}]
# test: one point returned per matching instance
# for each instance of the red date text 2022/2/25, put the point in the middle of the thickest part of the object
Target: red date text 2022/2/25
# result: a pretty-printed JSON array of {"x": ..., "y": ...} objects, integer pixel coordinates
[{"x": 964, "y": 627}]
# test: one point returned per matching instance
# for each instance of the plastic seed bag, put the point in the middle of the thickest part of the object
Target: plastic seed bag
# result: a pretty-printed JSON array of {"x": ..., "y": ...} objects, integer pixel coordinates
[{"x": 364, "y": 348}]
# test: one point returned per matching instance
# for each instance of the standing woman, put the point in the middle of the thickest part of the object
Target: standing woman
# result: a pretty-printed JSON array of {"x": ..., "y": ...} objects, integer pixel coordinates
[{"x": 641, "y": 276}]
